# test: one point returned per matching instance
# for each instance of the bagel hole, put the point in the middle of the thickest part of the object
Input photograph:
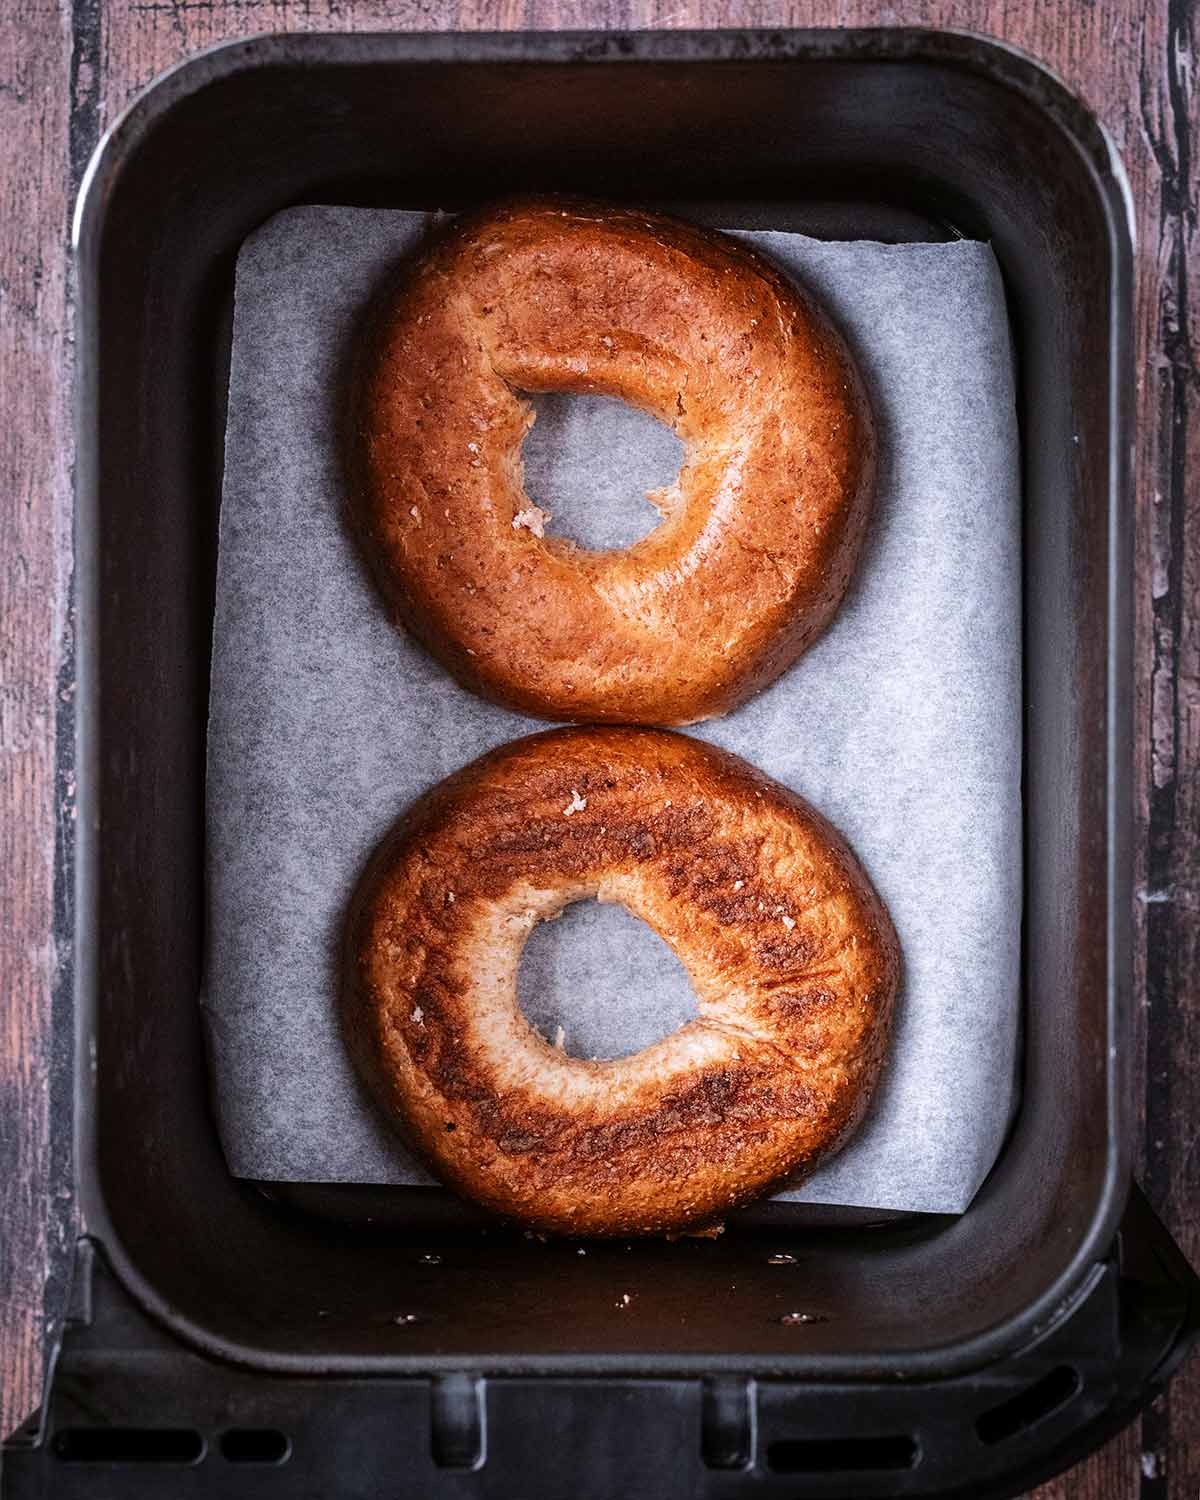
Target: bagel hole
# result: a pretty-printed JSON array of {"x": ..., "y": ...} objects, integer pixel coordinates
[
  {"x": 589, "y": 461},
  {"x": 606, "y": 978}
]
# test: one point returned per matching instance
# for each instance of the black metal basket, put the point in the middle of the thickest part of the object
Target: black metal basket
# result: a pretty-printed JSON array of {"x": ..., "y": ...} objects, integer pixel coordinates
[{"x": 251, "y": 1339}]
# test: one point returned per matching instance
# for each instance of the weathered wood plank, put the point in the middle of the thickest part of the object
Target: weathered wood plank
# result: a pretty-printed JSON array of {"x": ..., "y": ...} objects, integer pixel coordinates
[
  {"x": 1168, "y": 744},
  {"x": 34, "y": 564}
]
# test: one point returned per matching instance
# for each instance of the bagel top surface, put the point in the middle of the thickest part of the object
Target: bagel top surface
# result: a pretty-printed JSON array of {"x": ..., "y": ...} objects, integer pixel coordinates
[
  {"x": 790, "y": 953},
  {"x": 759, "y": 533}
]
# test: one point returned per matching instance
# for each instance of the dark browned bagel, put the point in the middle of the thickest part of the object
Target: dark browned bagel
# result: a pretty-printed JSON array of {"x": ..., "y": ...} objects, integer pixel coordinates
[
  {"x": 760, "y": 533},
  {"x": 790, "y": 952}
]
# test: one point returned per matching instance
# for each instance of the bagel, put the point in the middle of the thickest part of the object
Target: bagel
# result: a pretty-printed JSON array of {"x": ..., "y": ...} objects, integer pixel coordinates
[
  {"x": 759, "y": 534},
  {"x": 790, "y": 953}
]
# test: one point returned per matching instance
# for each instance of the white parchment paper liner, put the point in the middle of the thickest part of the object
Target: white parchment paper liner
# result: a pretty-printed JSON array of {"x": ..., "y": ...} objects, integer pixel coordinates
[{"x": 902, "y": 724}]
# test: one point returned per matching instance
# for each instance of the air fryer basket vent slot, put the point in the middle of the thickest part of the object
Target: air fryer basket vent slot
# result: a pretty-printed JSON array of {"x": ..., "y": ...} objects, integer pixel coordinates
[
  {"x": 457, "y": 1414},
  {"x": 1031, "y": 1405},
  {"x": 128, "y": 1445},
  {"x": 727, "y": 1423},
  {"x": 843, "y": 1455},
  {"x": 255, "y": 1445}
]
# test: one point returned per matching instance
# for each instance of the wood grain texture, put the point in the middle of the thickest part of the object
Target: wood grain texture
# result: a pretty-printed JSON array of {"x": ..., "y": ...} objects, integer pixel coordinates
[
  {"x": 34, "y": 564},
  {"x": 1167, "y": 188},
  {"x": 66, "y": 70}
]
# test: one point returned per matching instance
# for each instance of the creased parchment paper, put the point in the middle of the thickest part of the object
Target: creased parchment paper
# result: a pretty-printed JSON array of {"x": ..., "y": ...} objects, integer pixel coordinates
[{"x": 902, "y": 724}]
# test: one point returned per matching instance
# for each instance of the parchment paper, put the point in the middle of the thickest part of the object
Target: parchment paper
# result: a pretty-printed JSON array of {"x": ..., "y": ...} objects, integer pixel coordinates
[{"x": 902, "y": 724}]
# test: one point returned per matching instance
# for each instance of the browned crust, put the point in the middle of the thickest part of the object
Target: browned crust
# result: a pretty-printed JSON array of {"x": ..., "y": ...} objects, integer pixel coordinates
[
  {"x": 794, "y": 1014},
  {"x": 760, "y": 537}
]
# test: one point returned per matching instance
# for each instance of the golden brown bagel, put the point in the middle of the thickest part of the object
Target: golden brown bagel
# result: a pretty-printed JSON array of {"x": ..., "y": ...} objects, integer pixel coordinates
[
  {"x": 760, "y": 533},
  {"x": 791, "y": 955}
]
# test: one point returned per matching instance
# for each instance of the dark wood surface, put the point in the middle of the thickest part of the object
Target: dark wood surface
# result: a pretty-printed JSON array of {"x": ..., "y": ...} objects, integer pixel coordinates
[{"x": 67, "y": 67}]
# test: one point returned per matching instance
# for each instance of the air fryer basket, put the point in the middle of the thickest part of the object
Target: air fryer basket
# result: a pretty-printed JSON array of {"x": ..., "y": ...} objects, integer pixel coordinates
[{"x": 326, "y": 1338}]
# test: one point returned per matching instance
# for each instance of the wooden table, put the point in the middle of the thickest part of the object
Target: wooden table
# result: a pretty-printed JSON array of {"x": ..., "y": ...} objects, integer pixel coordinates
[{"x": 67, "y": 67}]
